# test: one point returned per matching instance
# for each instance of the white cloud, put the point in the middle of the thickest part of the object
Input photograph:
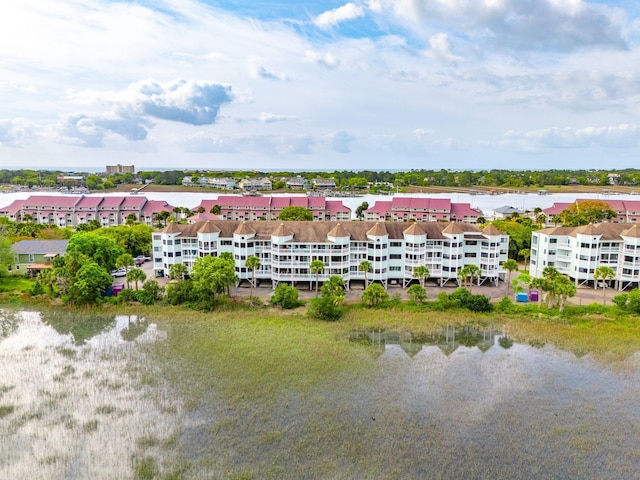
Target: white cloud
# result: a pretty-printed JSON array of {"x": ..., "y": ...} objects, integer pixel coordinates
[
  {"x": 339, "y": 141},
  {"x": 441, "y": 48},
  {"x": 272, "y": 117},
  {"x": 16, "y": 132},
  {"x": 610, "y": 136},
  {"x": 92, "y": 130},
  {"x": 520, "y": 24},
  {"x": 348, "y": 11},
  {"x": 186, "y": 101},
  {"x": 325, "y": 59},
  {"x": 257, "y": 69}
]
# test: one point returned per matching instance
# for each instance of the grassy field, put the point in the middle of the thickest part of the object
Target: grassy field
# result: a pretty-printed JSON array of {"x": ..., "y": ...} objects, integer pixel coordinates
[{"x": 265, "y": 393}]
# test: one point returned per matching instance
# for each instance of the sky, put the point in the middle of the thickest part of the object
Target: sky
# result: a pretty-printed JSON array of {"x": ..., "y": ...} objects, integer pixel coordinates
[{"x": 294, "y": 85}]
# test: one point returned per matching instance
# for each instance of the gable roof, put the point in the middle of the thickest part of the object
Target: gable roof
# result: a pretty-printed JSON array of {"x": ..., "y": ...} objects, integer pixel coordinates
[{"x": 36, "y": 247}]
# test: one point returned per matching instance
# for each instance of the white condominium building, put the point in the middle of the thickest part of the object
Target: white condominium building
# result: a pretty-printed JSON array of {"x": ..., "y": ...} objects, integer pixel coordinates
[
  {"x": 578, "y": 251},
  {"x": 286, "y": 249}
]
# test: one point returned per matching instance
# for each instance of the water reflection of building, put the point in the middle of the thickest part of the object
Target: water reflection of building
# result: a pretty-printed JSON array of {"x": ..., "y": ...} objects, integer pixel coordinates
[
  {"x": 447, "y": 340},
  {"x": 286, "y": 249}
]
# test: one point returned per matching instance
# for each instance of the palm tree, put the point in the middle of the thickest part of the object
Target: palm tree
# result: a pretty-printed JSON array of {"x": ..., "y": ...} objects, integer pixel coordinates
[
  {"x": 511, "y": 266},
  {"x": 564, "y": 288},
  {"x": 603, "y": 273},
  {"x": 136, "y": 275},
  {"x": 374, "y": 294},
  {"x": 123, "y": 261},
  {"x": 473, "y": 272},
  {"x": 539, "y": 284},
  {"x": 550, "y": 274},
  {"x": 365, "y": 266},
  {"x": 252, "y": 263},
  {"x": 317, "y": 267},
  {"x": 422, "y": 273},
  {"x": 177, "y": 270},
  {"x": 525, "y": 253}
]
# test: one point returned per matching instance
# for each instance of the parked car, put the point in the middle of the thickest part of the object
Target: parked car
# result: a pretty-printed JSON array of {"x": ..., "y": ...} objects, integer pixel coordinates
[
  {"x": 120, "y": 272},
  {"x": 140, "y": 259}
]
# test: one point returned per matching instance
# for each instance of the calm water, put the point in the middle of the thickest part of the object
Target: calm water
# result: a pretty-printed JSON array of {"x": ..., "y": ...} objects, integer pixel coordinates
[{"x": 89, "y": 402}]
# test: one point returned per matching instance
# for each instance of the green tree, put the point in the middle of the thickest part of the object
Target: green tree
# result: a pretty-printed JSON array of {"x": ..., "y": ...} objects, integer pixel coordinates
[
  {"x": 417, "y": 294},
  {"x": 295, "y": 214},
  {"x": 360, "y": 209},
  {"x": 525, "y": 253},
  {"x": 136, "y": 275},
  {"x": 215, "y": 210},
  {"x": 212, "y": 276},
  {"x": 422, "y": 273},
  {"x": 510, "y": 266},
  {"x": 468, "y": 274},
  {"x": 564, "y": 288},
  {"x": 374, "y": 294},
  {"x": 604, "y": 273},
  {"x": 365, "y": 266},
  {"x": 334, "y": 289},
  {"x": 252, "y": 263},
  {"x": 177, "y": 271},
  {"x": 151, "y": 292},
  {"x": 317, "y": 267},
  {"x": 100, "y": 249},
  {"x": 124, "y": 260},
  {"x": 6, "y": 255},
  {"x": 91, "y": 282}
]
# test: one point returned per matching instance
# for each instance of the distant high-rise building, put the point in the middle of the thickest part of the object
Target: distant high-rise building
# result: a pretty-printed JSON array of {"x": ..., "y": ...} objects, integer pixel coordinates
[{"x": 119, "y": 169}]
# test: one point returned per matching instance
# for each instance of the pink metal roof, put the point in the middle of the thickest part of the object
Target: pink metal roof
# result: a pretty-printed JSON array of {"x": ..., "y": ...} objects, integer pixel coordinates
[
  {"x": 556, "y": 208},
  {"x": 133, "y": 201},
  {"x": 402, "y": 203},
  {"x": 155, "y": 206},
  {"x": 317, "y": 202},
  {"x": 463, "y": 210},
  {"x": 279, "y": 202},
  {"x": 440, "y": 204},
  {"x": 14, "y": 208},
  {"x": 299, "y": 202},
  {"x": 89, "y": 201},
  {"x": 336, "y": 206},
  {"x": 381, "y": 207},
  {"x": 632, "y": 205},
  {"x": 111, "y": 202}
]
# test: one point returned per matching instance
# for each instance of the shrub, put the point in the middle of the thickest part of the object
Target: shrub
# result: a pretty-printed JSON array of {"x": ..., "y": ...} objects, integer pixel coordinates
[
  {"x": 151, "y": 292},
  {"x": 620, "y": 300},
  {"x": 417, "y": 293},
  {"x": 180, "y": 292},
  {"x": 505, "y": 305},
  {"x": 478, "y": 303},
  {"x": 324, "y": 308},
  {"x": 285, "y": 296},
  {"x": 633, "y": 300}
]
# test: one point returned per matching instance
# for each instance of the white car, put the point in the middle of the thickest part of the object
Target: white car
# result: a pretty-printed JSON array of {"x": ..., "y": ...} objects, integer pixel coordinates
[{"x": 120, "y": 272}]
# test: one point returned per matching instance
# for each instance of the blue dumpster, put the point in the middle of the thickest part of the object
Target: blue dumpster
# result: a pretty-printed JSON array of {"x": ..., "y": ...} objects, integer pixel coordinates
[{"x": 521, "y": 297}]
